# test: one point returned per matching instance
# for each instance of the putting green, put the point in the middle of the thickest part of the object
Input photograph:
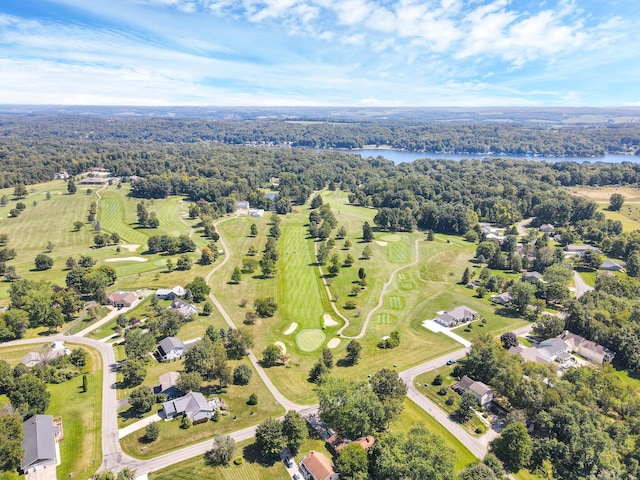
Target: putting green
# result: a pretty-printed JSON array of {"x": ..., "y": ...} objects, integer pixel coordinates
[
  {"x": 390, "y": 237},
  {"x": 310, "y": 339}
]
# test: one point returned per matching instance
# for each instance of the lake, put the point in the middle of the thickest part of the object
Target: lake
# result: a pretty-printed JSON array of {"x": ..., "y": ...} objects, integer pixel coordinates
[{"x": 401, "y": 156}]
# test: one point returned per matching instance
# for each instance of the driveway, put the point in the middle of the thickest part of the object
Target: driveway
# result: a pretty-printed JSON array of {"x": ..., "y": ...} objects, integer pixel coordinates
[
  {"x": 581, "y": 286},
  {"x": 437, "y": 328}
]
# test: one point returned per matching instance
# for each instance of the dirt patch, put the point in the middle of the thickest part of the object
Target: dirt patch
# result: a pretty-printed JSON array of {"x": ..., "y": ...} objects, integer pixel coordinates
[
  {"x": 328, "y": 321},
  {"x": 126, "y": 259},
  {"x": 130, "y": 247},
  {"x": 382, "y": 244},
  {"x": 333, "y": 343},
  {"x": 291, "y": 329},
  {"x": 603, "y": 194},
  {"x": 281, "y": 346}
]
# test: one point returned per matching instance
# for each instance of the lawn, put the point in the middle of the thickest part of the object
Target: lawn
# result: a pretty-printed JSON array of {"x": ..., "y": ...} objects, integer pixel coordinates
[
  {"x": 81, "y": 449},
  {"x": 241, "y": 415}
]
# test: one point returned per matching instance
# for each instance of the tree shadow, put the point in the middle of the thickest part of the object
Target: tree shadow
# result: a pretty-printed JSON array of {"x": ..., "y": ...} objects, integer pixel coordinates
[
  {"x": 507, "y": 312},
  {"x": 252, "y": 454}
]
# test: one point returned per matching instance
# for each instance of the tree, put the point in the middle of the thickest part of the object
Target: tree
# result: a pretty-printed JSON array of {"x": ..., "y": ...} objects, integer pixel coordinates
[
  {"x": 467, "y": 404},
  {"x": 133, "y": 373},
  {"x": 633, "y": 265},
  {"x": 184, "y": 263},
  {"x": 138, "y": 344},
  {"x": 327, "y": 358},
  {"x": 390, "y": 390},
  {"x": 199, "y": 289},
  {"x": 20, "y": 191},
  {"x": 477, "y": 471},
  {"x": 151, "y": 432},
  {"x": 352, "y": 462},
  {"x": 350, "y": 407},
  {"x": 466, "y": 276},
  {"x": 43, "y": 262},
  {"x": 71, "y": 187},
  {"x": 316, "y": 201},
  {"x": 242, "y": 374},
  {"x": 509, "y": 339},
  {"x": 417, "y": 454},
  {"x": 254, "y": 230},
  {"x": 272, "y": 355},
  {"x": 354, "y": 349},
  {"x": 342, "y": 232},
  {"x": 141, "y": 399},
  {"x": 294, "y": 429},
  {"x": 11, "y": 433},
  {"x": 513, "y": 447},
  {"x": 29, "y": 395},
  {"x": 270, "y": 438},
  {"x": 367, "y": 233},
  {"x": 549, "y": 326},
  {"x": 367, "y": 253},
  {"x": 253, "y": 399},
  {"x": 317, "y": 371},
  {"x": 189, "y": 382},
  {"x": 522, "y": 294},
  {"x": 206, "y": 256},
  {"x": 265, "y": 307},
  {"x": 222, "y": 451},
  {"x": 615, "y": 202},
  {"x": 361, "y": 273},
  {"x": 236, "y": 276},
  {"x": 591, "y": 259}
]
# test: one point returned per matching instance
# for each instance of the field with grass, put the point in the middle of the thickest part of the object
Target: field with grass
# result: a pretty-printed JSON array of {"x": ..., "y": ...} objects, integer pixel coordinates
[
  {"x": 629, "y": 215},
  {"x": 81, "y": 449}
]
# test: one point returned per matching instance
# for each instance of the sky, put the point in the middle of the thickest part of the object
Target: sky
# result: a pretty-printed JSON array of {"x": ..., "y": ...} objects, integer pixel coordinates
[{"x": 469, "y": 53}]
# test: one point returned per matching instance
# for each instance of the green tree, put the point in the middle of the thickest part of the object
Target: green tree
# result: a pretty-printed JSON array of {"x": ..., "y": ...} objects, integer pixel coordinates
[
  {"x": 477, "y": 471},
  {"x": 327, "y": 358},
  {"x": 43, "y": 262},
  {"x": 11, "y": 434},
  {"x": 317, "y": 371},
  {"x": 141, "y": 399},
  {"x": 513, "y": 447},
  {"x": 189, "y": 382},
  {"x": 199, "y": 289},
  {"x": 354, "y": 350},
  {"x": 272, "y": 355},
  {"x": 466, "y": 276},
  {"x": 222, "y": 451},
  {"x": 591, "y": 259},
  {"x": 615, "y": 202},
  {"x": 367, "y": 233},
  {"x": 417, "y": 454},
  {"x": 549, "y": 326},
  {"x": 390, "y": 390},
  {"x": 133, "y": 373},
  {"x": 316, "y": 201},
  {"x": 151, "y": 432},
  {"x": 522, "y": 294},
  {"x": 265, "y": 307},
  {"x": 270, "y": 438},
  {"x": 367, "y": 253},
  {"x": 242, "y": 374},
  {"x": 236, "y": 276},
  {"x": 254, "y": 230},
  {"x": 206, "y": 256},
  {"x": 138, "y": 344},
  {"x": 184, "y": 263},
  {"x": 71, "y": 187},
  {"x": 467, "y": 404},
  {"x": 633, "y": 265},
  {"x": 20, "y": 191},
  {"x": 29, "y": 395},
  {"x": 294, "y": 429},
  {"x": 352, "y": 462}
]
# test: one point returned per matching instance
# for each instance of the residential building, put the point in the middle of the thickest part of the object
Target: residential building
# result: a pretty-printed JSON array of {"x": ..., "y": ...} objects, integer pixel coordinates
[
  {"x": 456, "y": 316},
  {"x": 242, "y": 205},
  {"x": 586, "y": 348},
  {"x": 579, "y": 250},
  {"x": 610, "y": 265},
  {"x": 483, "y": 393},
  {"x": 552, "y": 347},
  {"x": 171, "y": 348},
  {"x": 316, "y": 466},
  {"x": 503, "y": 299},
  {"x": 547, "y": 228},
  {"x": 122, "y": 299},
  {"x": 187, "y": 310},
  {"x": 167, "y": 386},
  {"x": 38, "y": 443},
  {"x": 170, "y": 294},
  {"x": 57, "y": 349},
  {"x": 193, "y": 405},
  {"x": 532, "y": 276}
]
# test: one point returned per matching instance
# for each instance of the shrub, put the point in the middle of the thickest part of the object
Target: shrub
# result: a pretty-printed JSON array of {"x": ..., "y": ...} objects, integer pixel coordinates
[
  {"x": 437, "y": 380},
  {"x": 253, "y": 399},
  {"x": 449, "y": 401},
  {"x": 185, "y": 423},
  {"x": 238, "y": 461},
  {"x": 242, "y": 374},
  {"x": 442, "y": 391},
  {"x": 151, "y": 432}
]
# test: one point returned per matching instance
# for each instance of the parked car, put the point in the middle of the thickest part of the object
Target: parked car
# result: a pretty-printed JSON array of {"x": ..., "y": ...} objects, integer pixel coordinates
[
  {"x": 288, "y": 462},
  {"x": 452, "y": 361}
]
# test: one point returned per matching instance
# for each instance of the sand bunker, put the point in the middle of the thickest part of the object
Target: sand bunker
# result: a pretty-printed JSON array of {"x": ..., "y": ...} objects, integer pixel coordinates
[
  {"x": 126, "y": 259},
  {"x": 131, "y": 247},
  {"x": 382, "y": 244},
  {"x": 333, "y": 343},
  {"x": 328, "y": 321},
  {"x": 291, "y": 329},
  {"x": 281, "y": 346}
]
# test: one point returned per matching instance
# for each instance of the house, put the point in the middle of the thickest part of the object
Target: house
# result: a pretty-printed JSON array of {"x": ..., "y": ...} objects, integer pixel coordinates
[
  {"x": 242, "y": 205},
  {"x": 547, "y": 228},
  {"x": 572, "y": 340},
  {"x": 167, "y": 386},
  {"x": 367, "y": 441},
  {"x": 171, "y": 348},
  {"x": 32, "y": 359},
  {"x": 503, "y": 299},
  {"x": 62, "y": 175},
  {"x": 610, "y": 265},
  {"x": 579, "y": 250},
  {"x": 456, "y": 316},
  {"x": 337, "y": 442},
  {"x": 256, "y": 212},
  {"x": 588, "y": 349},
  {"x": 530, "y": 354},
  {"x": 552, "y": 347},
  {"x": 170, "y": 294},
  {"x": 483, "y": 393},
  {"x": 122, "y": 299},
  {"x": 95, "y": 181},
  {"x": 38, "y": 443},
  {"x": 532, "y": 276},
  {"x": 316, "y": 466},
  {"x": 193, "y": 405},
  {"x": 187, "y": 310}
]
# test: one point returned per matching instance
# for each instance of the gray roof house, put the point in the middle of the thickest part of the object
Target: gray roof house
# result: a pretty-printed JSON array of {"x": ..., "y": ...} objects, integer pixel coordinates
[
  {"x": 187, "y": 310},
  {"x": 167, "y": 386},
  {"x": 532, "y": 276},
  {"x": 483, "y": 393},
  {"x": 457, "y": 315},
  {"x": 609, "y": 264},
  {"x": 579, "y": 250},
  {"x": 38, "y": 443},
  {"x": 171, "y": 348},
  {"x": 553, "y": 347},
  {"x": 502, "y": 299},
  {"x": 193, "y": 405}
]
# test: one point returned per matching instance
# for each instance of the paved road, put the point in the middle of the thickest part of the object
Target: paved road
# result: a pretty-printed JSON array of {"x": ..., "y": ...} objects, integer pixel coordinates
[
  {"x": 581, "y": 287},
  {"x": 523, "y": 225}
]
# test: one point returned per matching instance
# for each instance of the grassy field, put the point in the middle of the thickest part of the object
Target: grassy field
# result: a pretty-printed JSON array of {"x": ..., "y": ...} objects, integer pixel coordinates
[
  {"x": 240, "y": 415},
  {"x": 81, "y": 449},
  {"x": 629, "y": 215}
]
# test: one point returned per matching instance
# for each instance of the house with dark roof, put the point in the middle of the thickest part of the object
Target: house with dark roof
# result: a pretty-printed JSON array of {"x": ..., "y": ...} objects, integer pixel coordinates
[
  {"x": 38, "y": 443},
  {"x": 532, "y": 276},
  {"x": 588, "y": 349},
  {"x": 456, "y": 316},
  {"x": 193, "y": 405},
  {"x": 482, "y": 392},
  {"x": 122, "y": 299},
  {"x": 167, "y": 386},
  {"x": 503, "y": 299},
  {"x": 610, "y": 265},
  {"x": 579, "y": 250},
  {"x": 316, "y": 466},
  {"x": 171, "y": 348}
]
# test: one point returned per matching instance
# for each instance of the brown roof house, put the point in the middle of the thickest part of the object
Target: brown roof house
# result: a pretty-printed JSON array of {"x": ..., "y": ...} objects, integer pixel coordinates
[
  {"x": 588, "y": 349},
  {"x": 316, "y": 466},
  {"x": 122, "y": 299},
  {"x": 483, "y": 393},
  {"x": 337, "y": 442}
]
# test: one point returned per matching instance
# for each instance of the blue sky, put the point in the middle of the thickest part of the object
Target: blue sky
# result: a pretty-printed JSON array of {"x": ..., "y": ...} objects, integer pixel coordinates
[{"x": 320, "y": 52}]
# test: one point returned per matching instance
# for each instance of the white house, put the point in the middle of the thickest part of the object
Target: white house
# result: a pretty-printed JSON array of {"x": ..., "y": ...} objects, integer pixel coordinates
[
  {"x": 547, "y": 228},
  {"x": 242, "y": 205},
  {"x": 503, "y": 299},
  {"x": 552, "y": 347},
  {"x": 171, "y": 348},
  {"x": 32, "y": 359},
  {"x": 187, "y": 310},
  {"x": 457, "y": 315},
  {"x": 483, "y": 393},
  {"x": 170, "y": 294}
]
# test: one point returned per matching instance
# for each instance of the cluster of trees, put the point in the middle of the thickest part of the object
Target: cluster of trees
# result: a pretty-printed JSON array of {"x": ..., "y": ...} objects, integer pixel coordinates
[
  {"x": 273, "y": 435},
  {"x": 91, "y": 281},
  {"x": 581, "y": 425},
  {"x": 146, "y": 219},
  {"x": 170, "y": 245}
]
